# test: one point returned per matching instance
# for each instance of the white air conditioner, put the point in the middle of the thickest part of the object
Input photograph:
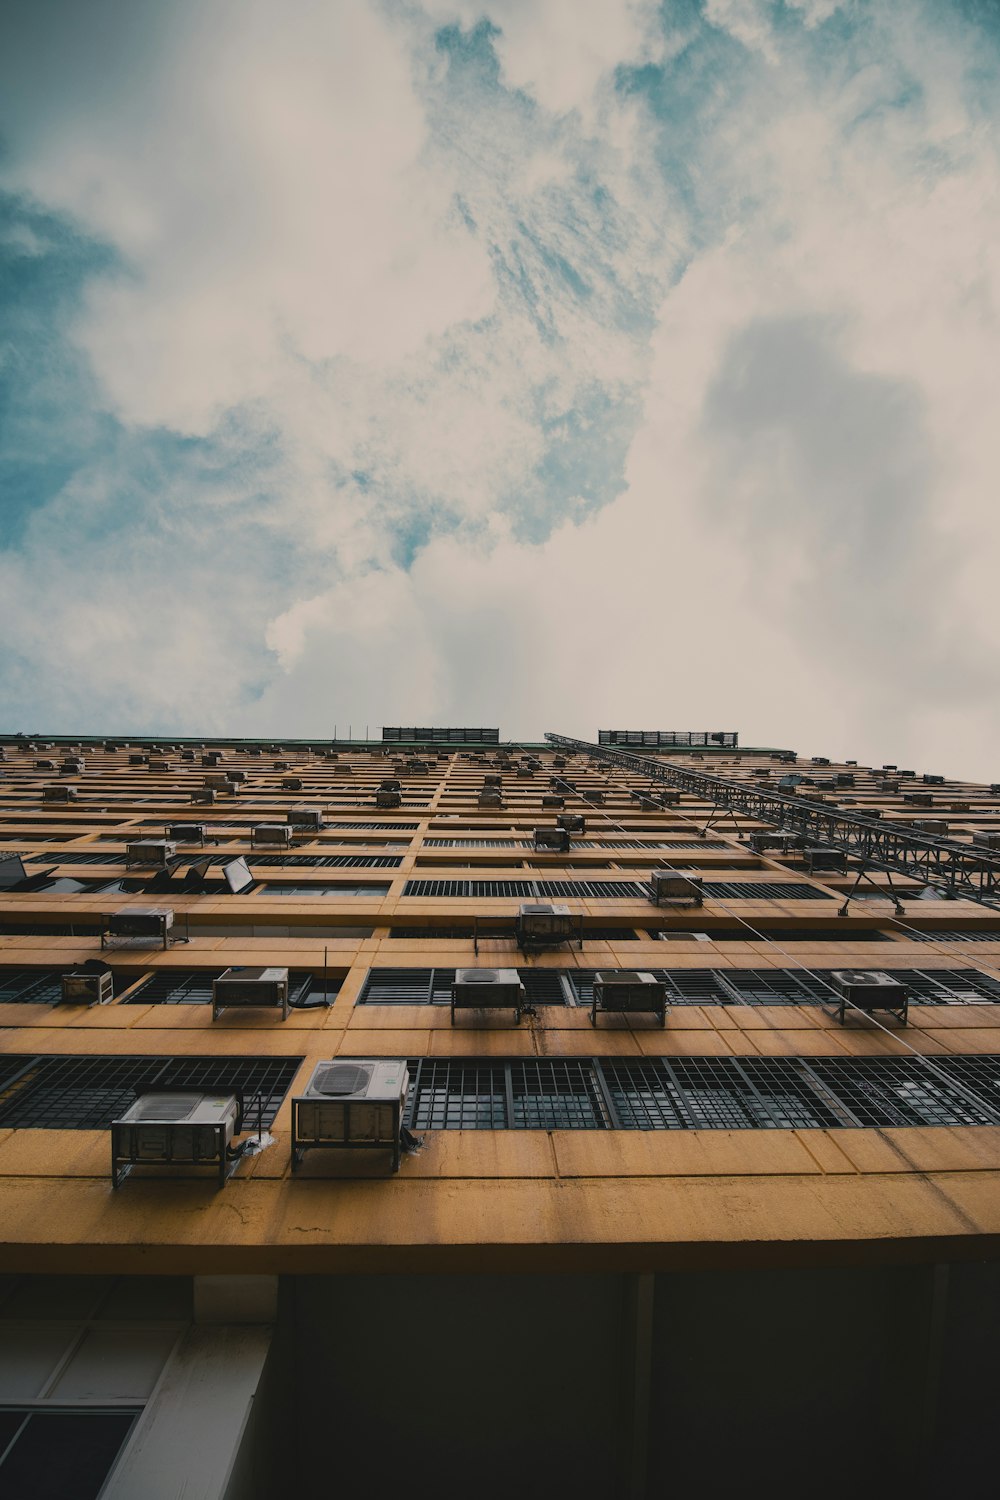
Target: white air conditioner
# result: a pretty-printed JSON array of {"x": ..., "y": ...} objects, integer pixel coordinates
[
  {"x": 204, "y": 794},
  {"x": 240, "y": 986},
  {"x": 271, "y": 833},
  {"x": 150, "y": 852},
  {"x": 868, "y": 990},
  {"x": 628, "y": 990},
  {"x": 305, "y": 817},
  {"x": 169, "y": 1129},
  {"x": 572, "y": 822},
  {"x": 87, "y": 987},
  {"x": 670, "y": 888},
  {"x": 139, "y": 921},
  {"x": 351, "y": 1104},
  {"x": 487, "y": 989}
]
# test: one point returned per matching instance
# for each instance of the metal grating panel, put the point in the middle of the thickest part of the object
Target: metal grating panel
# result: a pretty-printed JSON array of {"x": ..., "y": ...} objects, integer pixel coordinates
[
  {"x": 329, "y": 861},
  {"x": 173, "y": 987},
  {"x": 702, "y": 1093},
  {"x": 762, "y": 890},
  {"x": 87, "y": 1093},
  {"x": 433, "y": 987}
]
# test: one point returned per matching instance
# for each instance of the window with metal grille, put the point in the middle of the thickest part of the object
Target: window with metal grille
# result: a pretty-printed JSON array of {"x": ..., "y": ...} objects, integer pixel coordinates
[
  {"x": 433, "y": 987},
  {"x": 382, "y": 827},
  {"x": 949, "y": 986},
  {"x": 329, "y": 861},
  {"x": 86, "y": 1093},
  {"x": 953, "y": 935},
  {"x": 42, "y": 986},
  {"x": 172, "y": 987},
  {"x": 763, "y": 890},
  {"x": 79, "y": 857},
  {"x": 702, "y": 1093}
]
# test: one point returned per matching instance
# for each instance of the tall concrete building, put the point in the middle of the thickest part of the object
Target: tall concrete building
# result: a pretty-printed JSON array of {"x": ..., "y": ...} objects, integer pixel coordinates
[{"x": 460, "y": 1117}]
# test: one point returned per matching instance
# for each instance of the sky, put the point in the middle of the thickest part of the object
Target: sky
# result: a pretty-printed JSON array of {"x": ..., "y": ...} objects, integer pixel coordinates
[{"x": 540, "y": 364}]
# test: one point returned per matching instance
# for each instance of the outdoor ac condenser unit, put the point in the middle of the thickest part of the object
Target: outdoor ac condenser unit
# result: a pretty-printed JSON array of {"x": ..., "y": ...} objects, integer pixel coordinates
[
  {"x": 572, "y": 822},
  {"x": 868, "y": 990},
  {"x": 271, "y": 833},
  {"x": 204, "y": 794},
  {"x": 825, "y": 859},
  {"x": 305, "y": 817},
  {"x": 250, "y": 987},
  {"x": 139, "y": 921},
  {"x": 186, "y": 833},
  {"x": 670, "y": 888},
  {"x": 93, "y": 985},
  {"x": 983, "y": 840},
  {"x": 625, "y": 990},
  {"x": 487, "y": 989},
  {"x": 291, "y": 783},
  {"x": 59, "y": 794},
  {"x": 553, "y": 840},
  {"x": 150, "y": 852},
  {"x": 176, "y": 1128},
  {"x": 351, "y": 1104},
  {"x": 384, "y": 798},
  {"x": 542, "y": 924}
]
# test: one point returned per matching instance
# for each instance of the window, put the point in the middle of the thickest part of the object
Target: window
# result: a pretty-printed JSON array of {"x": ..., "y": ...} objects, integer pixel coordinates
[
  {"x": 433, "y": 987},
  {"x": 701, "y": 1093},
  {"x": 49, "y": 1454},
  {"x": 86, "y": 1093},
  {"x": 169, "y": 987}
]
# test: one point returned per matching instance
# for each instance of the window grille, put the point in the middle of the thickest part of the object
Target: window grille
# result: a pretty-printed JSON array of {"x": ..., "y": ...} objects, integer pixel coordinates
[
  {"x": 433, "y": 987},
  {"x": 700, "y": 1093},
  {"x": 764, "y": 890},
  {"x": 952, "y": 935},
  {"x": 86, "y": 1093},
  {"x": 171, "y": 987},
  {"x": 79, "y": 857},
  {"x": 42, "y": 986},
  {"x": 329, "y": 861}
]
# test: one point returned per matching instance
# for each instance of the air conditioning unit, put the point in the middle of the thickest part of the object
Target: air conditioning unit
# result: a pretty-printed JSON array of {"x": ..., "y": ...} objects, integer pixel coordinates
[
  {"x": 572, "y": 822},
  {"x": 150, "y": 852},
  {"x": 845, "y": 778},
  {"x": 552, "y": 799},
  {"x": 351, "y": 1104},
  {"x": 489, "y": 797},
  {"x": 986, "y": 840},
  {"x": 995, "y": 788},
  {"x": 305, "y": 817},
  {"x": 390, "y": 784},
  {"x": 648, "y": 804},
  {"x": 417, "y": 767},
  {"x": 887, "y": 786},
  {"x": 138, "y": 759},
  {"x": 94, "y": 984},
  {"x": 385, "y": 798},
  {"x": 167, "y": 1128},
  {"x": 820, "y": 760},
  {"x": 487, "y": 989},
  {"x": 554, "y": 840},
  {"x": 543, "y": 924},
  {"x": 271, "y": 833},
  {"x": 868, "y": 990},
  {"x": 160, "y": 766},
  {"x": 669, "y": 888},
  {"x": 139, "y": 921},
  {"x": 960, "y": 807},
  {"x": 669, "y": 798},
  {"x": 236, "y": 776},
  {"x": 218, "y": 781},
  {"x": 71, "y": 767},
  {"x": 111, "y": 747},
  {"x": 45, "y": 765},
  {"x": 760, "y": 843},
  {"x": 186, "y": 833},
  {"x": 628, "y": 990},
  {"x": 525, "y": 773},
  {"x": 596, "y": 797},
  {"x": 929, "y": 780},
  {"x": 203, "y": 794},
  {"x": 935, "y": 828},
  {"x": 59, "y": 794},
  {"x": 250, "y": 987},
  {"x": 825, "y": 859},
  {"x": 282, "y": 765},
  {"x": 212, "y": 757},
  {"x": 291, "y": 783},
  {"x": 918, "y": 799}
]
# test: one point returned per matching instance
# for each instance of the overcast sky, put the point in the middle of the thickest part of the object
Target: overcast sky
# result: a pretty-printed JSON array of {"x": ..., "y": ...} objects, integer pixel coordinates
[{"x": 549, "y": 364}]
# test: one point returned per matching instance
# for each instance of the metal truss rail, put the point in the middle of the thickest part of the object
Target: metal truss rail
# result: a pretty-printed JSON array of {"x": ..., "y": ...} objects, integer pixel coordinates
[{"x": 946, "y": 865}]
